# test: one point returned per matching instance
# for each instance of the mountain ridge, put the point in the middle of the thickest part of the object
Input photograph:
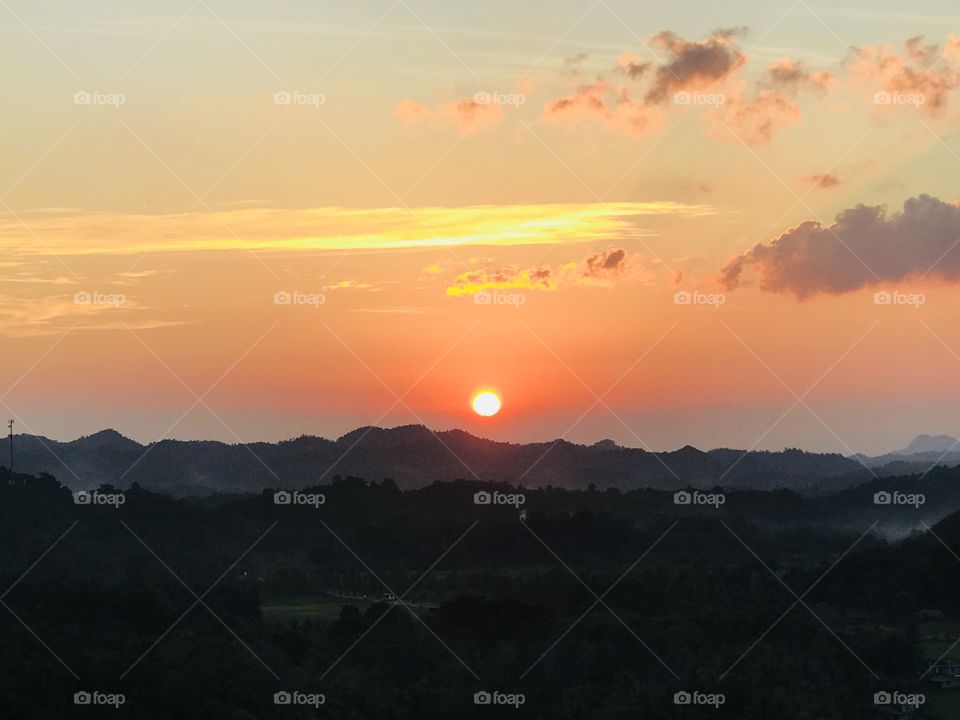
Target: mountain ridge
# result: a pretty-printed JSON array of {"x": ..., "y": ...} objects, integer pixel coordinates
[{"x": 415, "y": 456}]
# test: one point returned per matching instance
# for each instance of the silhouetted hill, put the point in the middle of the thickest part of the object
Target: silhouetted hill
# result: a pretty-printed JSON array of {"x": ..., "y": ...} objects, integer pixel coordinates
[
  {"x": 929, "y": 443},
  {"x": 414, "y": 456},
  {"x": 923, "y": 452}
]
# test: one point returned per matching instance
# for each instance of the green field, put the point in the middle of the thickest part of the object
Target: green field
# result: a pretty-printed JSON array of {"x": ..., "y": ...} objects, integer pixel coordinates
[
  {"x": 943, "y": 704},
  {"x": 303, "y": 609},
  {"x": 938, "y": 638}
]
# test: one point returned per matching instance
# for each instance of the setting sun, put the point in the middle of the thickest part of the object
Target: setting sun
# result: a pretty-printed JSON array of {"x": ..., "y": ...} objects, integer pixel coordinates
[{"x": 486, "y": 403}]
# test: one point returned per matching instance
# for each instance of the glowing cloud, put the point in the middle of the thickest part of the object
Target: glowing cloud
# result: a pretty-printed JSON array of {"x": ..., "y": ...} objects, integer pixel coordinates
[{"x": 333, "y": 228}]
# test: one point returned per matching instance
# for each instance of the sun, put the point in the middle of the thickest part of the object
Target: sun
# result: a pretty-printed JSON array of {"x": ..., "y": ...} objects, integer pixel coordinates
[{"x": 486, "y": 403}]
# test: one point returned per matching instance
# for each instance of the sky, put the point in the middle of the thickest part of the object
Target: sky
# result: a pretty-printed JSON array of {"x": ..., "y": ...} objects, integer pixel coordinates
[{"x": 723, "y": 225}]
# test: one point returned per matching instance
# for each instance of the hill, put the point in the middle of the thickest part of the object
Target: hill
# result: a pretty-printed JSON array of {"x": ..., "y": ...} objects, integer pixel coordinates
[{"x": 414, "y": 456}]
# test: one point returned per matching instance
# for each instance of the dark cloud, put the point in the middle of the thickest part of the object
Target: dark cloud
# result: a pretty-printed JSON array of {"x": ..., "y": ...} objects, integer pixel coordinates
[
  {"x": 629, "y": 64},
  {"x": 603, "y": 268},
  {"x": 824, "y": 181},
  {"x": 692, "y": 64},
  {"x": 608, "y": 261},
  {"x": 795, "y": 75},
  {"x": 864, "y": 246},
  {"x": 926, "y": 53}
]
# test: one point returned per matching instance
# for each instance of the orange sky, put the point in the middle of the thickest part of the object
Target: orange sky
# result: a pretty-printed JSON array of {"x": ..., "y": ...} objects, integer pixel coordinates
[{"x": 647, "y": 210}]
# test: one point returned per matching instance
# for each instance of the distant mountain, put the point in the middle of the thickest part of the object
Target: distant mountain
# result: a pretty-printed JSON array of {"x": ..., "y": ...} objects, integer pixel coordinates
[
  {"x": 930, "y": 444},
  {"x": 414, "y": 456},
  {"x": 924, "y": 452}
]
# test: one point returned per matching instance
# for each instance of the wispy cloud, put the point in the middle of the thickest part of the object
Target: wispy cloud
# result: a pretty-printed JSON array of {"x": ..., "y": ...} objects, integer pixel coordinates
[
  {"x": 334, "y": 228},
  {"x": 598, "y": 269}
]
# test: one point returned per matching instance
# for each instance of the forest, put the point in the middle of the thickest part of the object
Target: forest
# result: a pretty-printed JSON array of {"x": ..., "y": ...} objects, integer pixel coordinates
[{"x": 355, "y": 599}]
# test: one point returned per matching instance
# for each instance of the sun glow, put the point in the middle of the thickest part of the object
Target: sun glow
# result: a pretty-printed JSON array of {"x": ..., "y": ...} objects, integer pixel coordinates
[{"x": 486, "y": 403}]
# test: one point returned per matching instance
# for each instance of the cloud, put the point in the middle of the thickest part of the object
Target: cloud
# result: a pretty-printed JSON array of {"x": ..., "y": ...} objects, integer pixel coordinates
[
  {"x": 332, "y": 228},
  {"x": 695, "y": 73},
  {"x": 753, "y": 120},
  {"x": 599, "y": 269},
  {"x": 40, "y": 314},
  {"x": 506, "y": 278},
  {"x": 925, "y": 53},
  {"x": 614, "y": 109},
  {"x": 354, "y": 285},
  {"x": 756, "y": 118},
  {"x": 915, "y": 74},
  {"x": 611, "y": 260},
  {"x": 792, "y": 76},
  {"x": 629, "y": 64},
  {"x": 863, "y": 247},
  {"x": 691, "y": 65},
  {"x": 694, "y": 65},
  {"x": 824, "y": 182},
  {"x": 470, "y": 115}
]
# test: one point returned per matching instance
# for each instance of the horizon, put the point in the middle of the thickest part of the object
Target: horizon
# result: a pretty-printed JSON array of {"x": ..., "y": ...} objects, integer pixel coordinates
[{"x": 545, "y": 441}]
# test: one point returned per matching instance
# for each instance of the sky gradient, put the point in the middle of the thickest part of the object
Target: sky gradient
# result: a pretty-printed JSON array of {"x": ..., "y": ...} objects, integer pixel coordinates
[{"x": 728, "y": 226}]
